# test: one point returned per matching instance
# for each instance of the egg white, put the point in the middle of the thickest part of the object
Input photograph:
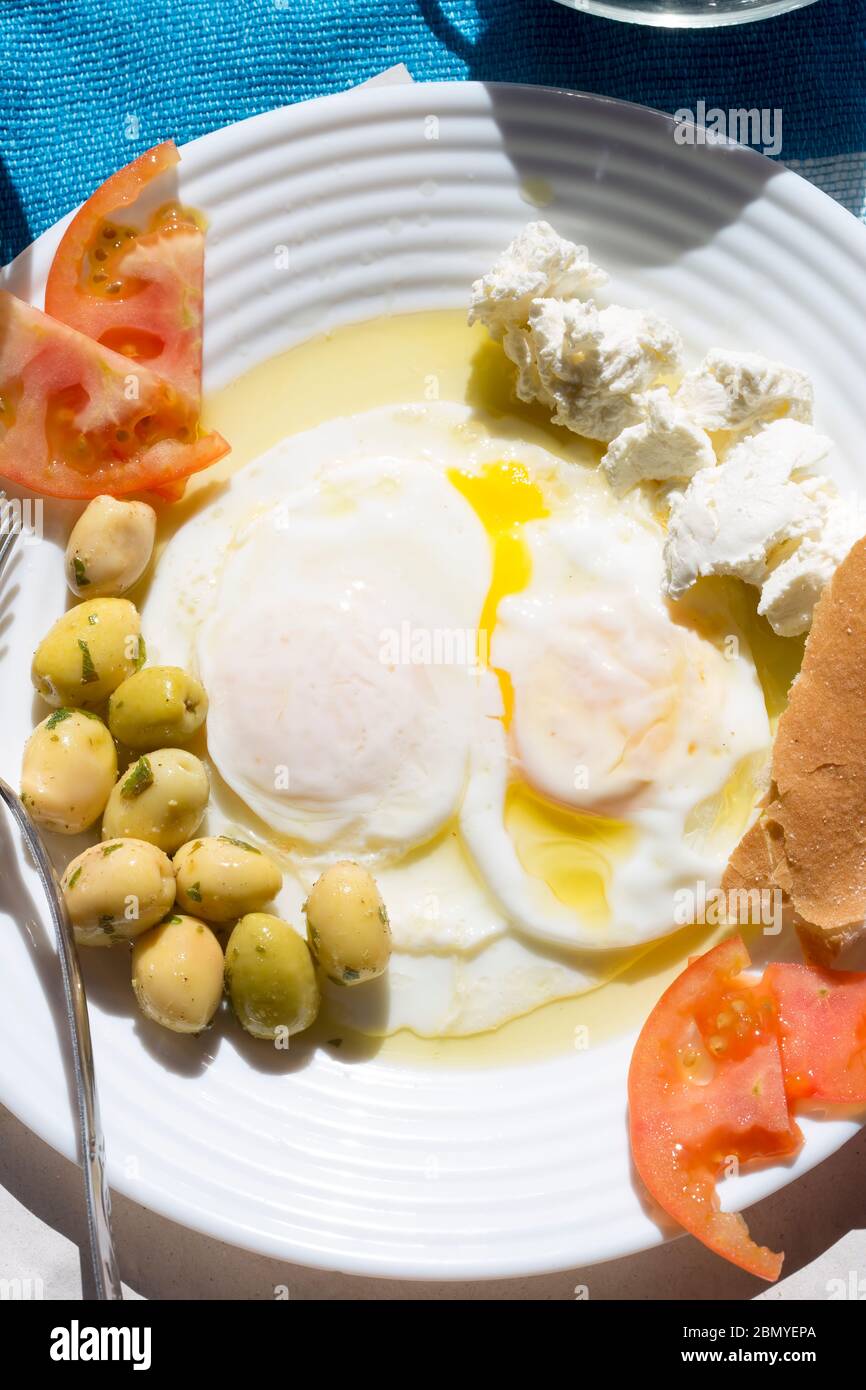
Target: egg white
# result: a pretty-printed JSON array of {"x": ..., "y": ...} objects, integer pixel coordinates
[
  {"x": 278, "y": 592},
  {"x": 327, "y": 718},
  {"x": 620, "y": 710}
]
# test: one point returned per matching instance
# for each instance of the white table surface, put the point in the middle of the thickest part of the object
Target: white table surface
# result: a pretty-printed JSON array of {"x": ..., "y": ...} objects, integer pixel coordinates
[{"x": 818, "y": 1220}]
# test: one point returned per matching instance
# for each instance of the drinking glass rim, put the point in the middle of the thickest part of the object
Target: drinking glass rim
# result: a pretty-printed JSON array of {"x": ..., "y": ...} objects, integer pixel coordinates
[{"x": 634, "y": 12}]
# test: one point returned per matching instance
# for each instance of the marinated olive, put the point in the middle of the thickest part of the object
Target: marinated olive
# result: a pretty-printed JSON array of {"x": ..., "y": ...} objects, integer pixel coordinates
[
  {"x": 270, "y": 977},
  {"x": 88, "y": 652},
  {"x": 347, "y": 924},
  {"x": 156, "y": 708},
  {"x": 110, "y": 547},
  {"x": 161, "y": 798},
  {"x": 116, "y": 890},
  {"x": 222, "y": 879},
  {"x": 69, "y": 769},
  {"x": 177, "y": 974}
]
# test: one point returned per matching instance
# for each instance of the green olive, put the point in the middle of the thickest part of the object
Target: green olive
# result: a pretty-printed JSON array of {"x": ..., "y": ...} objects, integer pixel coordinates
[
  {"x": 69, "y": 768},
  {"x": 222, "y": 879},
  {"x": 110, "y": 547},
  {"x": 347, "y": 925},
  {"x": 88, "y": 652},
  {"x": 157, "y": 707},
  {"x": 161, "y": 798},
  {"x": 177, "y": 974},
  {"x": 116, "y": 890},
  {"x": 270, "y": 977}
]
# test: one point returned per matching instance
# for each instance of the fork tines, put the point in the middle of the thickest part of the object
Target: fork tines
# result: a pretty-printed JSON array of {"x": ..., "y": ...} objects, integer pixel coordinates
[{"x": 8, "y": 531}]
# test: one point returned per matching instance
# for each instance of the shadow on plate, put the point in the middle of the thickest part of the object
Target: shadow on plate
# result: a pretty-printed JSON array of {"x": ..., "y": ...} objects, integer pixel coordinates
[{"x": 31, "y": 917}]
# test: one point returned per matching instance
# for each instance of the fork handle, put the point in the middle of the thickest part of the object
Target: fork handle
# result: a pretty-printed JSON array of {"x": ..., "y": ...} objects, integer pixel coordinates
[{"x": 106, "y": 1275}]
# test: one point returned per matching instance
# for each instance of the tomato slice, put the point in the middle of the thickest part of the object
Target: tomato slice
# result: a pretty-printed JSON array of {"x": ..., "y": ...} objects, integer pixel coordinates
[
  {"x": 77, "y": 419},
  {"x": 136, "y": 290},
  {"x": 170, "y": 492},
  {"x": 705, "y": 1088},
  {"x": 822, "y": 1031}
]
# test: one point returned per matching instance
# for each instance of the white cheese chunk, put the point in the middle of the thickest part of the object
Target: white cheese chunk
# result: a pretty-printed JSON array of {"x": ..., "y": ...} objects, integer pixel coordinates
[
  {"x": 586, "y": 364},
  {"x": 730, "y": 518},
  {"x": 792, "y": 589},
  {"x": 538, "y": 264},
  {"x": 744, "y": 391},
  {"x": 666, "y": 444}
]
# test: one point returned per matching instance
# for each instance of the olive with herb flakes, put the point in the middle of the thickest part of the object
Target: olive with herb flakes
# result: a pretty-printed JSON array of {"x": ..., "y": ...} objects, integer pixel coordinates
[
  {"x": 116, "y": 890},
  {"x": 221, "y": 878},
  {"x": 109, "y": 547},
  {"x": 156, "y": 708},
  {"x": 347, "y": 925},
  {"x": 270, "y": 977},
  {"x": 161, "y": 798},
  {"x": 177, "y": 974},
  {"x": 68, "y": 771},
  {"x": 88, "y": 652}
]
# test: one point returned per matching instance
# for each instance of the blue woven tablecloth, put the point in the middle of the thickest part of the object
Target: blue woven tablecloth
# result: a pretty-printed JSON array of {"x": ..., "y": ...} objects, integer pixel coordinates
[{"x": 86, "y": 84}]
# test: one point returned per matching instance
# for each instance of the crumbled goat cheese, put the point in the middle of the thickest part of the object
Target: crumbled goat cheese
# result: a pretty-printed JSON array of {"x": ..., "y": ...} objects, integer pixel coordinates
[
  {"x": 582, "y": 362},
  {"x": 585, "y": 364},
  {"x": 538, "y": 264},
  {"x": 792, "y": 589},
  {"x": 730, "y": 518},
  {"x": 665, "y": 445},
  {"x": 764, "y": 515},
  {"x": 744, "y": 391}
]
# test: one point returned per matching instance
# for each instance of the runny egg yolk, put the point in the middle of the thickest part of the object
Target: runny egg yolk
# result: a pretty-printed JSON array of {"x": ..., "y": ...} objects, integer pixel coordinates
[
  {"x": 572, "y": 851},
  {"x": 504, "y": 498}
]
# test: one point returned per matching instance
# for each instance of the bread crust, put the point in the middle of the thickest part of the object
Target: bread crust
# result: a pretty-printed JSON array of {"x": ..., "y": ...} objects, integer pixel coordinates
[{"x": 810, "y": 839}]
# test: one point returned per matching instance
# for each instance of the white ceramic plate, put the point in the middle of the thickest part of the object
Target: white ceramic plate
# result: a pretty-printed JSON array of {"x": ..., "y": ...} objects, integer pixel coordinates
[{"x": 394, "y": 200}]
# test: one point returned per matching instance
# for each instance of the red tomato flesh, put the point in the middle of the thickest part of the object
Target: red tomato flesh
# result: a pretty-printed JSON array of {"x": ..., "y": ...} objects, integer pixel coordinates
[
  {"x": 77, "y": 419},
  {"x": 136, "y": 290},
  {"x": 706, "y": 1093},
  {"x": 822, "y": 1031}
]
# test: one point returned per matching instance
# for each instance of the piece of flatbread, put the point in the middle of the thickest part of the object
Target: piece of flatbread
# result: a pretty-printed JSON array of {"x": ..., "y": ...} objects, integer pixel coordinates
[
  {"x": 750, "y": 865},
  {"x": 810, "y": 841}
]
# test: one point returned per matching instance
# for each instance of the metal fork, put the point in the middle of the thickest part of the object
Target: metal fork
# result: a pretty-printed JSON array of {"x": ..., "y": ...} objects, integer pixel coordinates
[
  {"x": 106, "y": 1276},
  {"x": 8, "y": 534}
]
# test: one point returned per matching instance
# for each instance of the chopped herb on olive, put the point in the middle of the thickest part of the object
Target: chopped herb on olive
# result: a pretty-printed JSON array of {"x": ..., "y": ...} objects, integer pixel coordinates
[
  {"x": 139, "y": 779},
  {"x": 89, "y": 672},
  {"x": 57, "y": 718},
  {"x": 241, "y": 844}
]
